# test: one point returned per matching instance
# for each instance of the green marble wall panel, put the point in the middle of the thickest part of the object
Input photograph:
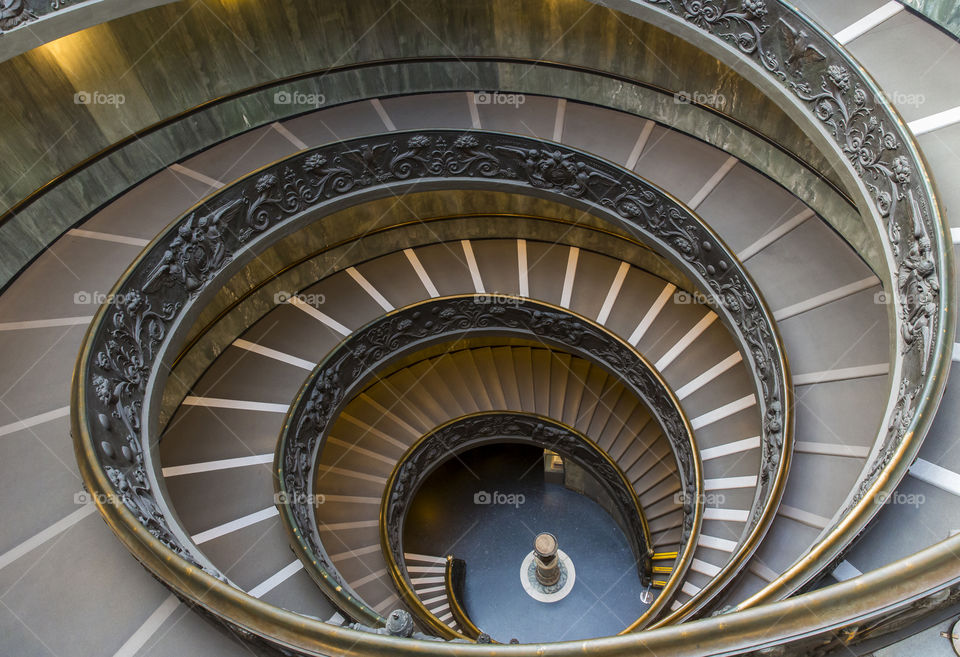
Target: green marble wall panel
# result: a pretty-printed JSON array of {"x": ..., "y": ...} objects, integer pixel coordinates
[
  {"x": 169, "y": 59},
  {"x": 66, "y": 203},
  {"x": 945, "y": 13},
  {"x": 41, "y": 21}
]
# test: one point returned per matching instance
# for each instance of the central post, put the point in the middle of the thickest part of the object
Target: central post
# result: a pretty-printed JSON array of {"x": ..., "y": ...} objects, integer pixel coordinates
[{"x": 548, "y": 566}]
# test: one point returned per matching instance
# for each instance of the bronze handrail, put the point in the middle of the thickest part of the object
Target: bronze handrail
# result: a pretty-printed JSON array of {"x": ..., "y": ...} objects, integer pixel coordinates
[
  {"x": 873, "y": 598},
  {"x": 850, "y": 111},
  {"x": 453, "y": 585},
  {"x": 152, "y": 293}
]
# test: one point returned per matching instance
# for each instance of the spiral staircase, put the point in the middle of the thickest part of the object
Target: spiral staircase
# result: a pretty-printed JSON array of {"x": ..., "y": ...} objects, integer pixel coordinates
[{"x": 309, "y": 252}]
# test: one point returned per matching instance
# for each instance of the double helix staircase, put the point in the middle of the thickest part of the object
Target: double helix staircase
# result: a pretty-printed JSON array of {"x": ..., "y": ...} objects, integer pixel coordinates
[
  {"x": 815, "y": 284},
  {"x": 60, "y": 569}
]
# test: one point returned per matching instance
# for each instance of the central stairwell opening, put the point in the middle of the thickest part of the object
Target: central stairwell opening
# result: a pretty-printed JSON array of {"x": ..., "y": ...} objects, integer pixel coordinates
[{"x": 486, "y": 506}]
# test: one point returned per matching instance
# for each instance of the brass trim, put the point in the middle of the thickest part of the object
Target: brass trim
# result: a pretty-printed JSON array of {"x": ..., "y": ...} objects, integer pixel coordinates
[{"x": 467, "y": 626}]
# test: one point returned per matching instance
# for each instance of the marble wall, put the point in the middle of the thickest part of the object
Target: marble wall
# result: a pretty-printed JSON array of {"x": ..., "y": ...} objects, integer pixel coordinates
[
  {"x": 70, "y": 99},
  {"x": 945, "y": 13}
]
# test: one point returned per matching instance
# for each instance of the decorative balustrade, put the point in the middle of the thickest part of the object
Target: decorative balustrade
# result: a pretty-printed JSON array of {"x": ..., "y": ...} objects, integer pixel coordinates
[
  {"x": 465, "y": 433},
  {"x": 123, "y": 363},
  {"x": 132, "y": 338},
  {"x": 14, "y": 13},
  {"x": 349, "y": 368}
]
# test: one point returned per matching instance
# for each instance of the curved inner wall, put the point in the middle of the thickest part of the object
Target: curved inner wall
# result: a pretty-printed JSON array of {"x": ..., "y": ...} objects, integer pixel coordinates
[{"x": 145, "y": 92}]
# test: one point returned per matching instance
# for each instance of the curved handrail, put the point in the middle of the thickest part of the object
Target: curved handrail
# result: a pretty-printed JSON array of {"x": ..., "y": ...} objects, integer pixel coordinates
[
  {"x": 891, "y": 588},
  {"x": 459, "y": 434},
  {"x": 134, "y": 335},
  {"x": 454, "y": 573},
  {"x": 821, "y": 81},
  {"x": 356, "y": 361}
]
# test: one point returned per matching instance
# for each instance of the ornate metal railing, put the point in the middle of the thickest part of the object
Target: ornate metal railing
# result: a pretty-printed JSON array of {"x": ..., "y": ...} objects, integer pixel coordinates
[
  {"x": 14, "y": 13},
  {"x": 815, "y": 78},
  {"x": 403, "y": 332},
  {"x": 123, "y": 365},
  {"x": 119, "y": 363},
  {"x": 465, "y": 433}
]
